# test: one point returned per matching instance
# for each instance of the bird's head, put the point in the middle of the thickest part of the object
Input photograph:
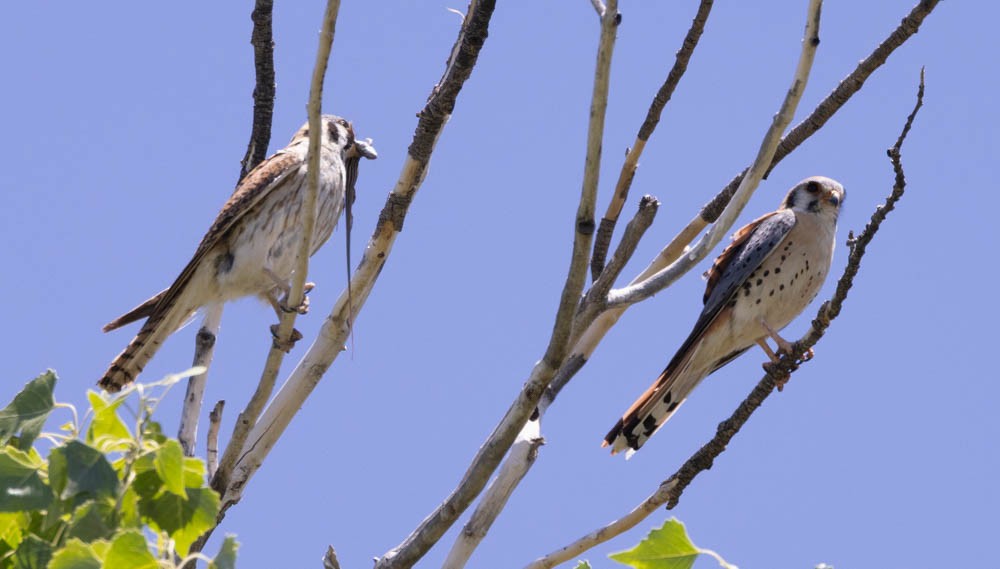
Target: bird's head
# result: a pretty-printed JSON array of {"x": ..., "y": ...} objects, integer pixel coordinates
[
  {"x": 339, "y": 134},
  {"x": 818, "y": 194}
]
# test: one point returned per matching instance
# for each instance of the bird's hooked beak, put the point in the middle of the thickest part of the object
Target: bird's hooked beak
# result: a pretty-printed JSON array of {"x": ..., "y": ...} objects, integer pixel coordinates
[
  {"x": 833, "y": 197},
  {"x": 363, "y": 149}
]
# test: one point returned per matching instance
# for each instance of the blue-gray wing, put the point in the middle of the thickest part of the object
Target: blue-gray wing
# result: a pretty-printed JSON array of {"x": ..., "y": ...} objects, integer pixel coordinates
[{"x": 751, "y": 245}]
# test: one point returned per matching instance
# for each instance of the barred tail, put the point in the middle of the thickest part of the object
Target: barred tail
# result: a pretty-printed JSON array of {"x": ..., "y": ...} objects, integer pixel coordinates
[{"x": 127, "y": 366}]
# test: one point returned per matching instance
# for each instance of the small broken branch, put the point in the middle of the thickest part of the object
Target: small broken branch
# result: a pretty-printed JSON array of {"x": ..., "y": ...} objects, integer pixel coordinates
[{"x": 204, "y": 349}]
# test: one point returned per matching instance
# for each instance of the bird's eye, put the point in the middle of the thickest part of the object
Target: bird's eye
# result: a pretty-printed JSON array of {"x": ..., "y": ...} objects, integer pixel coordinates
[
  {"x": 835, "y": 199},
  {"x": 812, "y": 187}
]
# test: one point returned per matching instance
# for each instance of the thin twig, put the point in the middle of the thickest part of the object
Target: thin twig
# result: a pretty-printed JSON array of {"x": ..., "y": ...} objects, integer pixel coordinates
[
  {"x": 248, "y": 417},
  {"x": 204, "y": 349},
  {"x": 647, "y": 288},
  {"x": 264, "y": 90},
  {"x": 607, "y": 228},
  {"x": 669, "y": 491},
  {"x": 503, "y": 436},
  {"x": 212, "y": 447}
]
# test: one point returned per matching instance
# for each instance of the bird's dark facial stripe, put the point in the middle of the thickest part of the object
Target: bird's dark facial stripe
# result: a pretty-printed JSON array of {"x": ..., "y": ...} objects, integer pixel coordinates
[{"x": 331, "y": 130}]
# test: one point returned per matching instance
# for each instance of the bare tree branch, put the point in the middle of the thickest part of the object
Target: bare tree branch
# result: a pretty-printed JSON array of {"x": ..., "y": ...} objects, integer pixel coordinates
[
  {"x": 264, "y": 91},
  {"x": 204, "y": 349},
  {"x": 670, "y": 490},
  {"x": 607, "y": 227},
  {"x": 503, "y": 436},
  {"x": 522, "y": 455},
  {"x": 525, "y": 450}
]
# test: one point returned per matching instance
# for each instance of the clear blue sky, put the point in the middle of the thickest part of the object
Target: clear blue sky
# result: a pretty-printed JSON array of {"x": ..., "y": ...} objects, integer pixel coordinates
[{"x": 124, "y": 126}]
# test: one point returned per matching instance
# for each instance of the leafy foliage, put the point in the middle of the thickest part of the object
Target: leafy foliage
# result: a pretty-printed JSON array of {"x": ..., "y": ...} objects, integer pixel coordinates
[
  {"x": 113, "y": 496},
  {"x": 666, "y": 547}
]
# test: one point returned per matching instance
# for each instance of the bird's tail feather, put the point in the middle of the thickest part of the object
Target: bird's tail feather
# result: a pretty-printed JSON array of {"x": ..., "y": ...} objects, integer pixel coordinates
[
  {"x": 144, "y": 310},
  {"x": 160, "y": 324},
  {"x": 654, "y": 407}
]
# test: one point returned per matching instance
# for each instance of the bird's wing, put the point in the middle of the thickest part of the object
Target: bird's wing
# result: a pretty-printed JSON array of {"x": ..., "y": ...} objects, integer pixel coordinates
[
  {"x": 255, "y": 186},
  {"x": 751, "y": 245}
]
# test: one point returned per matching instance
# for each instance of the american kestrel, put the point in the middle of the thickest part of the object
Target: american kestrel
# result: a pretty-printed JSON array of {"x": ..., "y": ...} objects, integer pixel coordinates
[
  {"x": 771, "y": 271},
  {"x": 252, "y": 245}
]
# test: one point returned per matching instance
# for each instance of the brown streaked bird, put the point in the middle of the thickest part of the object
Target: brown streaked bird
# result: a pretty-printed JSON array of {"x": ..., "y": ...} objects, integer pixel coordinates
[
  {"x": 251, "y": 247},
  {"x": 766, "y": 277}
]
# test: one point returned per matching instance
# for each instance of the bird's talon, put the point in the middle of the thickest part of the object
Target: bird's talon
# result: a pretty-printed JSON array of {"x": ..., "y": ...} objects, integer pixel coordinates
[
  {"x": 285, "y": 345},
  {"x": 302, "y": 308}
]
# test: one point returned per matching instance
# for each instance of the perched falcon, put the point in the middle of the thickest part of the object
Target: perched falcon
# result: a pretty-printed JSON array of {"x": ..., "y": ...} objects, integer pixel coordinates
[
  {"x": 251, "y": 247},
  {"x": 771, "y": 271}
]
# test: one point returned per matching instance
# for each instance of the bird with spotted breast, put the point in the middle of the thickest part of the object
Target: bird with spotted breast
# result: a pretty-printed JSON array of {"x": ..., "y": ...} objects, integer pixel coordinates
[
  {"x": 766, "y": 277},
  {"x": 252, "y": 246}
]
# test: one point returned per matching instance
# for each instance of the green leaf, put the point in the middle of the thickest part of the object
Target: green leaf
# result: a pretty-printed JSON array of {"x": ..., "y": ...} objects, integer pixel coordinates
[
  {"x": 33, "y": 553},
  {"x": 27, "y": 412},
  {"x": 169, "y": 463},
  {"x": 583, "y": 564},
  {"x": 21, "y": 487},
  {"x": 226, "y": 558},
  {"x": 194, "y": 472},
  {"x": 667, "y": 547},
  {"x": 129, "y": 551},
  {"x": 152, "y": 431},
  {"x": 75, "y": 555},
  {"x": 129, "y": 513},
  {"x": 93, "y": 521},
  {"x": 12, "y": 527},
  {"x": 107, "y": 430},
  {"x": 183, "y": 519},
  {"x": 79, "y": 472}
]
